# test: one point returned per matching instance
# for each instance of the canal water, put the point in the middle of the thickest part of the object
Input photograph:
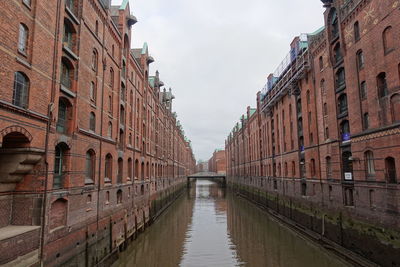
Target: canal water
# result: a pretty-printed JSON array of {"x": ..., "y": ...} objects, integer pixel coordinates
[{"x": 210, "y": 226}]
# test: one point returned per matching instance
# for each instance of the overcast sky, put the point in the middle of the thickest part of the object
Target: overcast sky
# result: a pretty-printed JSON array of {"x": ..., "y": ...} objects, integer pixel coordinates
[{"x": 216, "y": 55}]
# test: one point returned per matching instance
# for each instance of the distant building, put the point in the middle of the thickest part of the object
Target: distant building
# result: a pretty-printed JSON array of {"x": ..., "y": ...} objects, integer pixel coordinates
[
  {"x": 202, "y": 166},
  {"x": 217, "y": 163}
]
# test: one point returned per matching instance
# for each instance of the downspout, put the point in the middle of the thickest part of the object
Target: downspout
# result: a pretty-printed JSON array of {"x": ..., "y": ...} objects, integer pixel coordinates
[
  {"x": 49, "y": 120},
  {"x": 101, "y": 138}
]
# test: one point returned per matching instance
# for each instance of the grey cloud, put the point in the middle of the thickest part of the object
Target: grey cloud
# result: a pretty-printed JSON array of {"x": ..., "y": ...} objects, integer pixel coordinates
[{"x": 216, "y": 55}]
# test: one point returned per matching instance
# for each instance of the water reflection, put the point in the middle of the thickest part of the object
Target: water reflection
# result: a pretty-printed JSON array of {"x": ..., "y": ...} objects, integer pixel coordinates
[
  {"x": 211, "y": 227},
  {"x": 207, "y": 242}
]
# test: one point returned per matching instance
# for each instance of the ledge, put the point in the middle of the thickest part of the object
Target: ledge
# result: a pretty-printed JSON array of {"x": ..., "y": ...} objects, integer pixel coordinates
[{"x": 15, "y": 230}]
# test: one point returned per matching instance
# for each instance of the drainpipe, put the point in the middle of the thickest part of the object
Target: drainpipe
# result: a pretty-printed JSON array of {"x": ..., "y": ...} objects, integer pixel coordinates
[
  {"x": 49, "y": 120},
  {"x": 101, "y": 137}
]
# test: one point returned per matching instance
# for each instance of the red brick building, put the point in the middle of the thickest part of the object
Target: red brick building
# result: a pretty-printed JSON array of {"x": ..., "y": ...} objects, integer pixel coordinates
[
  {"x": 217, "y": 163},
  {"x": 89, "y": 146},
  {"x": 323, "y": 143}
]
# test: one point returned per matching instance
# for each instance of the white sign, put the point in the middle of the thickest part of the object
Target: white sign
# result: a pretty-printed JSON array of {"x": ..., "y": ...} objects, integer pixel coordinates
[{"x": 348, "y": 176}]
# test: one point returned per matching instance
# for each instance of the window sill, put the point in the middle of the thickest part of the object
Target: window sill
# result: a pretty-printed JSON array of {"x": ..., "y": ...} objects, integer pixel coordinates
[
  {"x": 23, "y": 62},
  {"x": 340, "y": 88},
  {"x": 72, "y": 15},
  {"x": 70, "y": 52},
  {"x": 338, "y": 63},
  {"x": 342, "y": 115},
  {"x": 389, "y": 51},
  {"x": 27, "y": 5},
  {"x": 67, "y": 91}
]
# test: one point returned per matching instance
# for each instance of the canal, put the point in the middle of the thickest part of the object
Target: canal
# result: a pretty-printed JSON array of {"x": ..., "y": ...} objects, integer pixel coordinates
[{"x": 209, "y": 226}]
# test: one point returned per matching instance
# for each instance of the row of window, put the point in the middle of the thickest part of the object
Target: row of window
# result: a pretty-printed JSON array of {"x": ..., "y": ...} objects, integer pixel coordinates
[
  {"x": 389, "y": 172},
  {"x": 61, "y": 163}
]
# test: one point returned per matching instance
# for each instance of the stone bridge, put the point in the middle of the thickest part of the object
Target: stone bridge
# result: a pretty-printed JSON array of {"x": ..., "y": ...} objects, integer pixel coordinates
[{"x": 208, "y": 176}]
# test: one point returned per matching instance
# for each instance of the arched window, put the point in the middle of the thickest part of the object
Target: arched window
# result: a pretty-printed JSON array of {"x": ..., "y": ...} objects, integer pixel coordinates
[
  {"x": 388, "y": 41},
  {"x": 363, "y": 90},
  {"x": 60, "y": 166},
  {"x": 120, "y": 170},
  {"x": 21, "y": 90},
  {"x": 147, "y": 170},
  {"x": 369, "y": 162},
  {"x": 130, "y": 139},
  {"x": 345, "y": 130},
  {"x": 130, "y": 168},
  {"x": 340, "y": 78},
  {"x": 321, "y": 63},
  {"x": 300, "y": 122},
  {"x": 342, "y": 103},
  {"x": 366, "y": 120},
  {"x": 356, "y": 29},
  {"x": 312, "y": 167},
  {"x": 308, "y": 97},
  {"x": 23, "y": 38},
  {"x": 286, "y": 170},
  {"x": 68, "y": 38},
  {"x": 112, "y": 50},
  {"x": 298, "y": 108},
  {"x": 337, "y": 53},
  {"x": 119, "y": 196},
  {"x": 111, "y": 78},
  {"x": 92, "y": 92},
  {"x": 293, "y": 169},
  {"x": 62, "y": 120},
  {"x": 395, "y": 106},
  {"x": 390, "y": 170},
  {"x": 322, "y": 86},
  {"x": 325, "y": 109},
  {"x": 334, "y": 24},
  {"x": 109, "y": 130},
  {"x": 110, "y": 103},
  {"x": 136, "y": 169},
  {"x": 95, "y": 60},
  {"x": 382, "y": 84},
  {"x": 123, "y": 92},
  {"x": 92, "y": 121},
  {"x": 142, "y": 171},
  {"x": 328, "y": 167},
  {"x": 66, "y": 73},
  {"x": 360, "y": 59},
  {"x": 97, "y": 27},
  {"x": 90, "y": 166},
  {"x": 123, "y": 72},
  {"x": 108, "y": 168},
  {"x": 122, "y": 115}
]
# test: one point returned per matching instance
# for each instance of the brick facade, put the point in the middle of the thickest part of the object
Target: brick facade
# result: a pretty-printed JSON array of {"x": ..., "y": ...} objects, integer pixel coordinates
[
  {"x": 85, "y": 132},
  {"x": 217, "y": 163},
  {"x": 325, "y": 133}
]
